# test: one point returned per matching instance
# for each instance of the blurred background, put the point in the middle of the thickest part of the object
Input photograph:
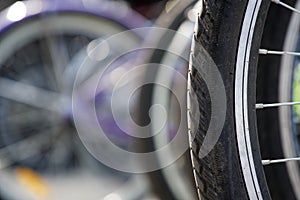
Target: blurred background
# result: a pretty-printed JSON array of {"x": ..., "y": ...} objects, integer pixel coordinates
[{"x": 93, "y": 99}]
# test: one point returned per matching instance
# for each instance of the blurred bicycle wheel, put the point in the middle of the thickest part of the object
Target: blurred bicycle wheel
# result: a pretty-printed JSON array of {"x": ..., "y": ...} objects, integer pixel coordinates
[
  {"x": 41, "y": 155},
  {"x": 167, "y": 88}
]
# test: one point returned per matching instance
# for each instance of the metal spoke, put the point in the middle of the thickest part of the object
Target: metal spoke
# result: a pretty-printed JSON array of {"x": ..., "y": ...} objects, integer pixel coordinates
[
  {"x": 261, "y": 105},
  {"x": 286, "y": 6},
  {"x": 30, "y": 95},
  {"x": 26, "y": 117},
  {"x": 269, "y": 161},
  {"x": 271, "y": 52},
  {"x": 59, "y": 58}
]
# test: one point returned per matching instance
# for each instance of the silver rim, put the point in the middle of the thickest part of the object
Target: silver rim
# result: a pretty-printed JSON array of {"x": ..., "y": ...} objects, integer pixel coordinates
[
  {"x": 241, "y": 108},
  {"x": 241, "y": 112}
]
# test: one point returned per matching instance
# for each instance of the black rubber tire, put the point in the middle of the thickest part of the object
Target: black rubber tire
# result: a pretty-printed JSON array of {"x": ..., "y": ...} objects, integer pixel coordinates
[{"x": 218, "y": 175}]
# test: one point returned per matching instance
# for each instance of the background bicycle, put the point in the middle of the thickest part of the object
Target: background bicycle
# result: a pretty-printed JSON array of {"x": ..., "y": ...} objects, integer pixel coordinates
[
  {"x": 44, "y": 47},
  {"x": 42, "y": 42}
]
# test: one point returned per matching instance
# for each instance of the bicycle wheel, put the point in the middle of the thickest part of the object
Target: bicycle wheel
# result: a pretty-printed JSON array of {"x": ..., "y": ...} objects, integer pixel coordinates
[
  {"x": 41, "y": 155},
  {"x": 230, "y": 78},
  {"x": 169, "y": 68}
]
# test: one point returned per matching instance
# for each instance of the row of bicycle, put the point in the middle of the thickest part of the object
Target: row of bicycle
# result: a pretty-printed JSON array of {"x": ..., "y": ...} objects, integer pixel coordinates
[{"x": 93, "y": 100}]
